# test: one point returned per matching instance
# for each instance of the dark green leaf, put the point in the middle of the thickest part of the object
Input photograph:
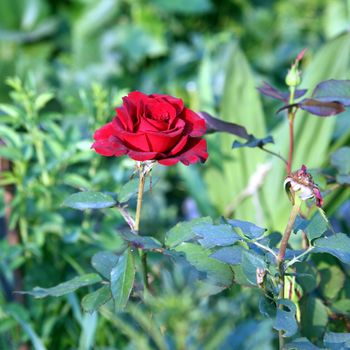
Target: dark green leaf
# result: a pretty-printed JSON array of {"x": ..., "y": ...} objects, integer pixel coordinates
[
  {"x": 301, "y": 344},
  {"x": 248, "y": 228},
  {"x": 337, "y": 245},
  {"x": 93, "y": 301},
  {"x": 89, "y": 200},
  {"x": 253, "y": 142},
  {"x": 332, "y": 279},
  {"x": 215, "y": 235},
  {"x": 314, "y": 317},
  {"x": 183, "y": 231},
  {"x": 122, "y": 279},
  {"x": 337, "y": 341},
  {"x": 143, "y": 242},
  {"x": 66, "y": 287},
  {"x": 200, "y": 258},
  {"x": 228, "y": 255},
  {"x": 285, "y": 318},
  {"x": 250, "y": 263},
  {"x": 317, "y": 226},
  {"x": 103, "y": 263}
]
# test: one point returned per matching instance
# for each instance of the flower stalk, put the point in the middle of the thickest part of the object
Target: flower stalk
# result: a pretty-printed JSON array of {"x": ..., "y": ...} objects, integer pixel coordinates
[{"x": 143, "y": 254}]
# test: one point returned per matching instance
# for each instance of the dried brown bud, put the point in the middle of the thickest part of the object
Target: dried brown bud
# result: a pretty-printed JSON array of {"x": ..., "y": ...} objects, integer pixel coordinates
[{"x": 301, "y": 182}]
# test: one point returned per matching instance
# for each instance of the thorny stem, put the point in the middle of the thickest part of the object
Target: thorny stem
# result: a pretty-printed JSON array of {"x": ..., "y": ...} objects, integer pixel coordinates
[
  {"x": 282, "y": 254},
  {"x": 142, "y": 178}
]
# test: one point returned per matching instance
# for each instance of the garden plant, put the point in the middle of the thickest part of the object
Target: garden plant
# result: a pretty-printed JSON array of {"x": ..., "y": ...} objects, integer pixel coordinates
[{"x": 95, "y": 253}]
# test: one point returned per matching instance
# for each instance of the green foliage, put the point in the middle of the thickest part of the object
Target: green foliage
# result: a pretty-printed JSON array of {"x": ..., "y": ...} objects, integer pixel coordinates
[
  {"x": 66, "y": 287},
  {"x": 89, "y": 200},
  {"x": 73, "y": 61}
]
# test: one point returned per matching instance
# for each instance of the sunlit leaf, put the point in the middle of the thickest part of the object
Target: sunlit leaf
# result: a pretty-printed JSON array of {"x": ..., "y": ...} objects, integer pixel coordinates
[
  {"x": 122, "y": 279},
  {"x": 89, "y": 200},
  {"x": 337, "y": 245},
  {"x": 93, "y": 301},
  {"x": 65, "y": 287},
  {"x": 103, "y": 262}
]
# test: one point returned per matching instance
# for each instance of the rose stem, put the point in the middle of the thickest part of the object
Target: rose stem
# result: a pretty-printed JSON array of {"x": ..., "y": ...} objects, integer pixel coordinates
[
  {"x": 282, "y": 253},
  {"x": 291, "y": 116},
  {"x": 142, "y": 178}
]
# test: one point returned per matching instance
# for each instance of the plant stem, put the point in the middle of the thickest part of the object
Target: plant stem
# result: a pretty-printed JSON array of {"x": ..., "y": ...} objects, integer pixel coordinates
[
  {"x": 291, "y": 116},
  {"x": 291, "y": 144},
  {"x": 282, "y": 254},
  {"x": 143, "y": 254},
  {"x": 142, "y": 179}
]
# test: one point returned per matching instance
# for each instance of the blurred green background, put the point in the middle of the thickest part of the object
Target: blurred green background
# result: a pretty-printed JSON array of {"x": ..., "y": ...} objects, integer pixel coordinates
[{"x": 74, "y": 60}]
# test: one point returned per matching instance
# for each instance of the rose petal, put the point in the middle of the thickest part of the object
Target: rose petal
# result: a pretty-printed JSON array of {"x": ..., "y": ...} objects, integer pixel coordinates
[
  {"x": 195, "y": 125},
  {"x": 162, "y": 143},
  {"x": 109, "y": 147},
  {"x": 196, "y": 151},
  {"x": 177, "y": 103},
  {"x": 141, "y": 156},
  {"x": 147, "y": 124},
  {"x": 125, "y": 119},
  {"x": 104, "y": 132},
  {"x": 158, "y": 109},
  {"x": 137, "y": 142}
]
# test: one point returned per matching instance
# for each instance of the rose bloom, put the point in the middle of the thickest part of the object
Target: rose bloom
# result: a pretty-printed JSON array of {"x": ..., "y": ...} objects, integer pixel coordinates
[{"x": 153, "y": 128}]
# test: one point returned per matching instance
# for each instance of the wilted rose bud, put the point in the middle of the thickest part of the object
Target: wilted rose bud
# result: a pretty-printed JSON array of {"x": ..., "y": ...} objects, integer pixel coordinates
[{"x": 300, "y": 182}]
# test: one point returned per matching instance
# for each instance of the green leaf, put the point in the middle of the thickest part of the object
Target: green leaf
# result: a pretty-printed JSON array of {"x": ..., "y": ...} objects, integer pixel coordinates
[
  {"x": 337, "y": 245},
  {"x": 10, "y": 110},
  {"x": 228, "y": 255},
  {"x": 317, "y": 226},
  {"x": 122, "y": 279},
  {"x": 183, "y": 231},
  {"x": 89, "y": 200},
  {"x": 11, "y": 153},
  {"x": 337, "y": 341},
  {"x": 307, "y": 276},
  {"x": 42, "y": 100},
  {"x": 332, "y": 280},
  {"x": 248, "y": 228},
  {"x": 285, "y": 318},
  {"x": 314, "y": 317},
  {"x": 215, "y": 235},
  {"x": 143, "y": 242},
  {"x": 301, "y": 344},
  {"x": 183, "y": 6},
  {"x": 103, "y": 262},
  {"x": 10, "y": 136},
  {"x": 93, "y": 301},
  {"x": 199, "y": 257},
  {"x": 66, "y": 287},
  {"x": 250, "y": 263}
]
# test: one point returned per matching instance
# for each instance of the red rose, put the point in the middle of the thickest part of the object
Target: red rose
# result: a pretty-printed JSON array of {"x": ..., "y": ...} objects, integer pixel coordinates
[{"x": 153, "y": 127}]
